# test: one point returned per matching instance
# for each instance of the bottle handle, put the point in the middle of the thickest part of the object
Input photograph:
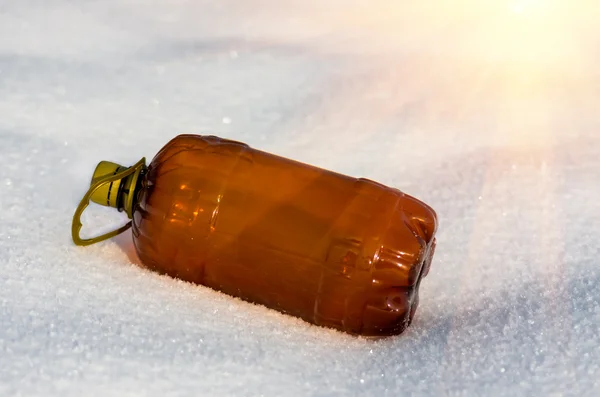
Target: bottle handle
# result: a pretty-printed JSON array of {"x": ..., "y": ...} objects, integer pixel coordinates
[{"x": 85, "y": 201}]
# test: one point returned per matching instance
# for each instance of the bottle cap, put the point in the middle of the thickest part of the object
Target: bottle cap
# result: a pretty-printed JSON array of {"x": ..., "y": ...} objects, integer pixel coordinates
[
  {"x": 117, "y": 194},
  {"x": 107, "y": 194},
  {"x": 113, "y": 186}
]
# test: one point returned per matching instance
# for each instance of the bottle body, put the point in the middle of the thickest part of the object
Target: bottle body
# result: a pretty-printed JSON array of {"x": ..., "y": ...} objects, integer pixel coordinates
[{"x": 336, "y": 251}]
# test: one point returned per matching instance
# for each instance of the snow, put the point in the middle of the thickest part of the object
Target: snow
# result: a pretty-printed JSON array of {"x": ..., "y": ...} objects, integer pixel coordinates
[{"x": 496, "y": 129}]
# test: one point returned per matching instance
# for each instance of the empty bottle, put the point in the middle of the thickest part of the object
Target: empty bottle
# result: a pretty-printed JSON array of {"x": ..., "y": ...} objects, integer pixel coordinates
[{"x": 333, "y": 250}]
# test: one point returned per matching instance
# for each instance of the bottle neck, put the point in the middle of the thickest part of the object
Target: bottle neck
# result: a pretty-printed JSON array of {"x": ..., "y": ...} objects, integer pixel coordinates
[{"x": 129, "y": 188}]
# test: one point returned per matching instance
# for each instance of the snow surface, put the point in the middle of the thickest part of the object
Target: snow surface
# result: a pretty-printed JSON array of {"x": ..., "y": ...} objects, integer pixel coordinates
[{"x": 497, "y": 129}]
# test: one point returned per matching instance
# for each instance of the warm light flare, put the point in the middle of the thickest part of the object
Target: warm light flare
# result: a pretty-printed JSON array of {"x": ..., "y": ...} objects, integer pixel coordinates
[
  {"x": 532, "y": 7},
  {"x": 507, "y": 29},
  {"x": 503, "y": 67}
]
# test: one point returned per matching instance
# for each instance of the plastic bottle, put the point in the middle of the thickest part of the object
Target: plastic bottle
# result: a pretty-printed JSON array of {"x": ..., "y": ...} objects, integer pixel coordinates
[{"x": 334, "y": 250}]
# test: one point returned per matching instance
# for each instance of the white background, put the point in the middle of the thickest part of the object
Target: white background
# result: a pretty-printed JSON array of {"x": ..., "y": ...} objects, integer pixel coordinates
[{"x": 486, "y": 110}]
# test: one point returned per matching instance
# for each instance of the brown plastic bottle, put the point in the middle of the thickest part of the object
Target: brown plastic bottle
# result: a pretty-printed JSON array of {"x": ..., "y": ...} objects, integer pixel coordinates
[{"x": 334, "y": 250}]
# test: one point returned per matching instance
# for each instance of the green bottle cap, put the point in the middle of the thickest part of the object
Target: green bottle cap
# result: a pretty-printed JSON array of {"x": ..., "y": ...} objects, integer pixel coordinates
[
  {"x": 118, "y": 194},
  {"x": 113, "y": 186}
]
